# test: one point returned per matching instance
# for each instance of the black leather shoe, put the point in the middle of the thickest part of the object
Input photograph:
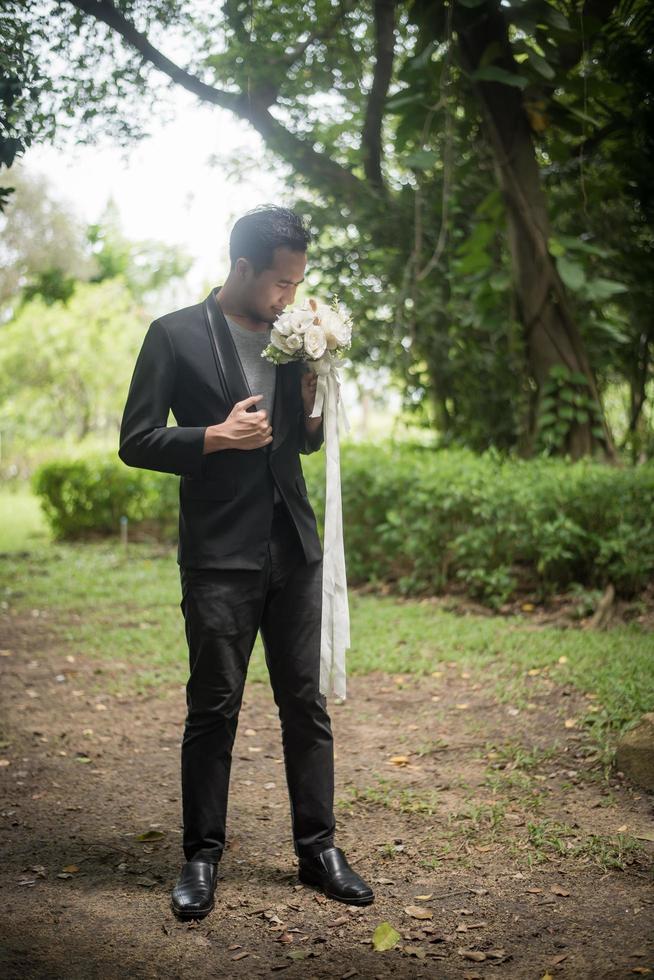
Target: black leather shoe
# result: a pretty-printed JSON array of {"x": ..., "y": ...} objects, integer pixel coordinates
[
  {"x": 192, "y": 896},
  {"x": 330, "y": 871}
]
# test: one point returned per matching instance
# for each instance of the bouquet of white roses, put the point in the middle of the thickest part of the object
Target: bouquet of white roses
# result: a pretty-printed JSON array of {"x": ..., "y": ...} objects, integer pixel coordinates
[
  {"x": 309, "y": 332},
  {"x": 318, "y": 335}
]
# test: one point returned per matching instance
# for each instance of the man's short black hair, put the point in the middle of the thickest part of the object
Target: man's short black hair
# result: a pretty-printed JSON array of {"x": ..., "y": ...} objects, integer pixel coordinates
[{"x": 260, "y": 231}]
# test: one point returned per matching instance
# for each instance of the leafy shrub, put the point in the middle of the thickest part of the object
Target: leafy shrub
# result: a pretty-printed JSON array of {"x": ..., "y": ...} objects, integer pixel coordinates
[
  {"x": 89, "y": 496},
  {"x": 424, "y": 520}
]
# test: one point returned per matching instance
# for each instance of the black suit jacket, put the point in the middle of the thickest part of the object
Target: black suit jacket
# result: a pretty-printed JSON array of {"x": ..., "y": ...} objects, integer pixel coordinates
[{"x": 188, "y": 364}]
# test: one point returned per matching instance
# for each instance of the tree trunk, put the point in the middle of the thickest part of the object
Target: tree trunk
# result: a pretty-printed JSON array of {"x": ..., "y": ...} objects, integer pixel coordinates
[
  {"x": 551, "y": 334},
  {"x": 639, "y": 374}
]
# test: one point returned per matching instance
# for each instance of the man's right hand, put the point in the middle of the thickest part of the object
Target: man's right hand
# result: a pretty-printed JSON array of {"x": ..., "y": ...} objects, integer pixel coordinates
[{"x": 240, "y": 430}]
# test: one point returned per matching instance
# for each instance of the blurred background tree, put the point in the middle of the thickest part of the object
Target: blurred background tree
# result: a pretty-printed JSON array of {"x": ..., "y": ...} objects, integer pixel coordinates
[
  {"x": 74, "y": 304},
  {"x": 479, "y": 174}
]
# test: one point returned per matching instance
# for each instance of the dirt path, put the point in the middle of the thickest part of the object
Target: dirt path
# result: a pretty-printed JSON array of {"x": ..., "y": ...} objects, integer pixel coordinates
[{"x": 442, "y": 792}]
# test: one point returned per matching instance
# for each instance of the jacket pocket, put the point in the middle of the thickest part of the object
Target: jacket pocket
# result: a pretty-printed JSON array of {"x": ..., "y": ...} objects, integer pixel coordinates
[
  {"x": 208, "y": 489},
  {"x": 301, "y": 485}
]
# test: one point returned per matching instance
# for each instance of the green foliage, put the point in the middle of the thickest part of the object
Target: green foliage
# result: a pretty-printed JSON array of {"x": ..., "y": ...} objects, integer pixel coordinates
[
  {"x": 65, "y": 366},
  {"x": 565, "y": 400},
  {"x": 454, "y": 336},
  {"x": 425, "y": 521},
  {"x": 89, "y": 496},
  {"x": 144, "y": 266},
  {"x": 20, "y": 85}
]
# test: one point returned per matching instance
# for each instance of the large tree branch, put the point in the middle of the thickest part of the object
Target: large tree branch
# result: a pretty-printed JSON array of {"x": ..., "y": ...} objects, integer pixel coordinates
[
  {"x": 371, "y": 136},
  {"x": 104, "y": 10},
  {"x": 251, "y": 106}
]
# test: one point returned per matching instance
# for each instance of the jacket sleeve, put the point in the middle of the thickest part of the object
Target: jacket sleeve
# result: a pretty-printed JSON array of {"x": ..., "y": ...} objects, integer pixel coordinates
[
  {"x": 309, "y": 443},
  {"x": 146, "y": 441}
]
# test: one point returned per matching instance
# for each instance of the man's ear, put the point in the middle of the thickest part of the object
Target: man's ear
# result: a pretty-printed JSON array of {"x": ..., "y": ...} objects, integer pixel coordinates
[{"x": 243, "y": 267}]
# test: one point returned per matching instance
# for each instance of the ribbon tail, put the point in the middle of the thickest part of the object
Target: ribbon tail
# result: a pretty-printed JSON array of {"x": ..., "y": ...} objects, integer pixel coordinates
[
  {"x": 321, "y": 394},
  {"x": 335, "y": 618}
]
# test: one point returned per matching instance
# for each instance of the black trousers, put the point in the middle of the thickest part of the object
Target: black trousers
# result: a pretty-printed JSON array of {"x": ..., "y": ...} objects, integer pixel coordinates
[{"x": 223, "y": 610}]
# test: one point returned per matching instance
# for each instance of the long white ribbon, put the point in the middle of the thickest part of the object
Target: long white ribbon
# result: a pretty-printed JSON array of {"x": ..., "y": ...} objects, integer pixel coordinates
[{"x": 335, "y": 626}]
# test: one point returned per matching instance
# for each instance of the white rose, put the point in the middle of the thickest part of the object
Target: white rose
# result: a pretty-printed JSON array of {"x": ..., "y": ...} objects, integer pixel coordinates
[
  {"x": 286, "y": 344},
  {"x": 283, "y": 324},
  {"x": 294, "y": 342},
  {"x": 337, "y": 332},
  {"x": 300, "y": 320},
  {"x": 314, "y": 341}
]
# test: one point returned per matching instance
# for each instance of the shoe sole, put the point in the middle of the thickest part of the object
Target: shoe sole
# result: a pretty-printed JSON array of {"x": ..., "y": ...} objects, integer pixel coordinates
[
  {"x": 186, "y": 914},
  {"x": 307, "y": 879}
]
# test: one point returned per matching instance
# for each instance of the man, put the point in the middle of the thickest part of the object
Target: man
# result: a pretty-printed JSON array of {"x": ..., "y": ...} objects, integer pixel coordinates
[{"x": 249, "y": 552}]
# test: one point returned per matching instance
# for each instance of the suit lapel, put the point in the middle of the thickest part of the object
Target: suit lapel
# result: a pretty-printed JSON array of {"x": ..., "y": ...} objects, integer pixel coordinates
[
  {"x": 224, "y": 352},
  {"x": 232, "y": 376},
  {"x": 280, "y": 419}
]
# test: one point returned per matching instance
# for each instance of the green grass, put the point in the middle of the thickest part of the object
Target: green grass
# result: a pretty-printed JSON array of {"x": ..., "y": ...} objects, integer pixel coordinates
[
  {"x": 124, "y": 607},
  {"x": 386, "y": 794},
  {"x": 22, "y": 525},
  {"x": 121, "y": 607},
  {"x": 553, "y": 838}
]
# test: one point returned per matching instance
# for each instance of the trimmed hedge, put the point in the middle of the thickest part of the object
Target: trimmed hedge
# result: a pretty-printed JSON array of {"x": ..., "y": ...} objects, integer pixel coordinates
[
  {"x": 85, "y": 497},
  {"x": 425, "y": 520}
]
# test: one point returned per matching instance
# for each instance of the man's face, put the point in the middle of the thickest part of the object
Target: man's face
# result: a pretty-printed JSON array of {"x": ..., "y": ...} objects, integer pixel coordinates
[{"x": 273, "y": 289}]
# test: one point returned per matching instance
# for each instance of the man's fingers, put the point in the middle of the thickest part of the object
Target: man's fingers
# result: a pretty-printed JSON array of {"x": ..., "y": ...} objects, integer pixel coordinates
[{"x": 250, "y": 400}]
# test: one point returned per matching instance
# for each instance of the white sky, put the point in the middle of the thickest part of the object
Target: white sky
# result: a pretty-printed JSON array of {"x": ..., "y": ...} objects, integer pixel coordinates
[{"x": 165, "y": 186}]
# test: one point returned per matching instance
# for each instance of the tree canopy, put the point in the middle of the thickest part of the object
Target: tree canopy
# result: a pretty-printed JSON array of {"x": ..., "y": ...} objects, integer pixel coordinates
[{"x": 479, "y": 172}]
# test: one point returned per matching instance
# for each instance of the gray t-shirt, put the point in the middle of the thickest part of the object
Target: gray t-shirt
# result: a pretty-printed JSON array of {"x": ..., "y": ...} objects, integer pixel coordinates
[{"x": 261, "y": 374}]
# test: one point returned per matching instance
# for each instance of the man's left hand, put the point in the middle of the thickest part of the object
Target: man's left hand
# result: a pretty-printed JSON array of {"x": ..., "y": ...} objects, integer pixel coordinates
[{"x": 309, "y": 385}]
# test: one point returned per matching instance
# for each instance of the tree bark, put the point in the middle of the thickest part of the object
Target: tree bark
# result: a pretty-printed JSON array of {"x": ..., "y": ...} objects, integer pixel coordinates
[{"x": 552, "y": 336}]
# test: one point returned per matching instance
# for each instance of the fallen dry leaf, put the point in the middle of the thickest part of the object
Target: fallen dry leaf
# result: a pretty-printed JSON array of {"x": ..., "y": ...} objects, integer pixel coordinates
[
  {"x": 472, "y": 954},
  {"x": 416, "y": 951},
  {"x": 341, "y": 921},
  {"x": 559, "y": 890},
  {"x": 417, "y": 912}
]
